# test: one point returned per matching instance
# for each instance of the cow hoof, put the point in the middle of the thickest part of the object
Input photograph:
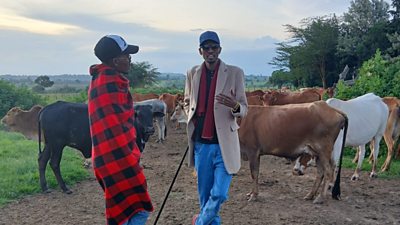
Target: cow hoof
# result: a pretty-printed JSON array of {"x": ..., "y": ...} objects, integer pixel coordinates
[
  {"x": 309, "y": 197},
  {"x": 355, "y": 177},
  {"x": 67, "y": 192},
  {"x": 252, "y": 196},
  {"x": 318, "y": 200},
  {"x": 373, "y": 175}
]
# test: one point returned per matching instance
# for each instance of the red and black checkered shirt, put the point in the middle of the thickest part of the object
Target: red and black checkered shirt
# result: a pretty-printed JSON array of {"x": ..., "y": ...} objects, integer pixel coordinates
[{"x": 115, "y": 154}]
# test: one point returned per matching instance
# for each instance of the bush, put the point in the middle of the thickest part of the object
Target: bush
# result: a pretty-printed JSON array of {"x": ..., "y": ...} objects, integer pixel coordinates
[
  {"x": 376, "y": 75},
  {"x": 38, "y": 89},
  {"x": 11, "y": 96}
]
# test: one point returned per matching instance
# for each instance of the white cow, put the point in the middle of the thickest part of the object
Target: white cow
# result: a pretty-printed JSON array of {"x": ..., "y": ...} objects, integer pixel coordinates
[
  {"x": 179, "y": 114},
  {"x": 367, "y": 116},
  {"x": 159, "y": 109}
]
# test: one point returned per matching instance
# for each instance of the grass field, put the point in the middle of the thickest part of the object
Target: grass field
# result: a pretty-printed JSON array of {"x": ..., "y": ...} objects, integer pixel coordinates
[
  {"x": 19, "y": 173},
  {"x": 394, "y": 171}
]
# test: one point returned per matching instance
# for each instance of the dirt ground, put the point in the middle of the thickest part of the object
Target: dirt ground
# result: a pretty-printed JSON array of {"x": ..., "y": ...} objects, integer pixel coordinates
[{"x": 280, "y": 200}]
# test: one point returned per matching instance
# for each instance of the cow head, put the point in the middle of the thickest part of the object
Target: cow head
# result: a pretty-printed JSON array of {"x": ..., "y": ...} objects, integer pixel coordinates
[
  {"x": 144, "y": 119},
  {"x": 269, "y": 97},
  {"x": 17, "y": 119},
  {"x": 11, "y": 118},
  {"x": 301, "y": 164},
  {"x": 179, "y": 114}
]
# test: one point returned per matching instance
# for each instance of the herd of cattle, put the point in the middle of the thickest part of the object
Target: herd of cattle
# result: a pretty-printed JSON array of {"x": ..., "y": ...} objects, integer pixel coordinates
[{"x": 295, "y": 125}]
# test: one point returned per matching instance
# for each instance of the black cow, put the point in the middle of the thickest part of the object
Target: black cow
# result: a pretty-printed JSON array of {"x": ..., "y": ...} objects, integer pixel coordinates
[{"x": 67, "y": 124}]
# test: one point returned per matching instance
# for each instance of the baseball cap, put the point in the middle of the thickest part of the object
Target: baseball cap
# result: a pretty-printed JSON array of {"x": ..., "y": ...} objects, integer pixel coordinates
[
  {"x": 209, "y": 36},
  {"x": 111, "y": 46}
]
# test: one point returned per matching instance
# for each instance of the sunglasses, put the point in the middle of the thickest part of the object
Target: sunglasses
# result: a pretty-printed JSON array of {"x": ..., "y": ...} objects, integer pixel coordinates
[{"x": 210, "y": 47}]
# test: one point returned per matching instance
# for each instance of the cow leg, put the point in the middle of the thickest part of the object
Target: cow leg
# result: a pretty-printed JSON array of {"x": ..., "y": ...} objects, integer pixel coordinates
[
  {"x": 355, "y": 160},
  {"x": 389, "y": 143},
  {"x": 43, "y": 159},
  {"x": 162, "y": 128},
  {"x": 254, "y": 162},
  {"x": 371, "y": 154},
  {"x": 159, "y": 130},
  {"x": 160, "y": 122},
  {"x": 398, "y": 152},
  {"x": 327, "y": 165},
  {"x": 377, "y": 140},
  {"x": 55, "y": 165},
  {"x": 317, "y": 182},
  {"x": 361, "y": 155}
]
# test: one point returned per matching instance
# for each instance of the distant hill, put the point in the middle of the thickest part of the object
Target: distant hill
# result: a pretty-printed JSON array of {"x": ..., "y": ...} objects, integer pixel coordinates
[{"x": 81, "y": 81}]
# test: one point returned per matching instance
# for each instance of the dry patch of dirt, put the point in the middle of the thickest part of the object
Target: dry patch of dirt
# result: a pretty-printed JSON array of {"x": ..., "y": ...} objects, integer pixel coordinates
[{"x": 280, "y": 200}]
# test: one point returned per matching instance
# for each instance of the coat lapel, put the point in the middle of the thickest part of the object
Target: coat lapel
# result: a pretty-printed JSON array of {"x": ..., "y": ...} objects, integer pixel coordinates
[
  {"x": 222, "y": 76},
  {"x": 196, "y": 83}
]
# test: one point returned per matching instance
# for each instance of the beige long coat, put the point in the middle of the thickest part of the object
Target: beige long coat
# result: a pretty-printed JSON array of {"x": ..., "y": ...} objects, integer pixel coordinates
[{"x": 230, "y": 80}]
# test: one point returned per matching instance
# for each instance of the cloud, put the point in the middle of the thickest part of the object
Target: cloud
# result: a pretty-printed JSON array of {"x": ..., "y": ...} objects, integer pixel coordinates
[{"x": 60, "y": 35}]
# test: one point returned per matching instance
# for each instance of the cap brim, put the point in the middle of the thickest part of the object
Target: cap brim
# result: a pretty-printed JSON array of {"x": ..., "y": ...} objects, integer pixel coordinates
[{"x": 131, "y": 49}]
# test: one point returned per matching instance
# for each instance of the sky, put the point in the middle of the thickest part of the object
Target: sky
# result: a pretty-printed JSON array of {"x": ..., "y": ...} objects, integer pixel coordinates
[{"x": 53, "y": 37}]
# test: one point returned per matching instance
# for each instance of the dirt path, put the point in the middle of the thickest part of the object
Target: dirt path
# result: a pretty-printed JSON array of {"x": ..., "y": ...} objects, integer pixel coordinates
[{"x": 280, "y": 201}]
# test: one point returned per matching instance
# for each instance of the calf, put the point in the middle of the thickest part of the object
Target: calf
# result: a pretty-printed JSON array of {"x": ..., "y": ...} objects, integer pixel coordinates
[
  {"x": 290, "y": 131},
  {"x": 25, "y": 122},
  {"x": 159, "y": 109},
  {"x": 67, "y": 124}
]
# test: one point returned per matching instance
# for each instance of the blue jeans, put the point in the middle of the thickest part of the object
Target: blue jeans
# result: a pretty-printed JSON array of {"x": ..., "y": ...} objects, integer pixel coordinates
[
  {"x": 139, "y": 218},
  {"x": 213, "y": 182}
]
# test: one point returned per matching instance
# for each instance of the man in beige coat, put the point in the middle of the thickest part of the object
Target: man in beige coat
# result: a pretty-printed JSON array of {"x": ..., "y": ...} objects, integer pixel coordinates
[{"x": 214, "y": 97}]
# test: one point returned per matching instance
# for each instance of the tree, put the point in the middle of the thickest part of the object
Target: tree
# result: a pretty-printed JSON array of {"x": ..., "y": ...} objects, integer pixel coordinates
[
  {"x": 363, "y": 31},
  {"x": 11, "y": 96},
  {"x": 44, "y": 81},
  {"x": 142, "y": 74},
  {"x": 310, "y": 54}
]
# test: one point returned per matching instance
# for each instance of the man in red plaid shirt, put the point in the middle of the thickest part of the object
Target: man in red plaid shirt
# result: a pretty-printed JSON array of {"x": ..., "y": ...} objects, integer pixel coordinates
[{"x": 115, "y": 154}]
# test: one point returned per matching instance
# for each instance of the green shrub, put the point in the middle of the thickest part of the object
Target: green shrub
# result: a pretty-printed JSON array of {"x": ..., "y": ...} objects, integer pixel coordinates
[
  {"x": 11, "y": 96},
  {"x": 376, "y": 75}
]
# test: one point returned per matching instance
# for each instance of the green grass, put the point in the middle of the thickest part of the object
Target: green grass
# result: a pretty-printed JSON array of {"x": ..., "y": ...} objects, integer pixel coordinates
[
  {"x": 19, "y": 173},
  {"x": 394, "y": 171}
]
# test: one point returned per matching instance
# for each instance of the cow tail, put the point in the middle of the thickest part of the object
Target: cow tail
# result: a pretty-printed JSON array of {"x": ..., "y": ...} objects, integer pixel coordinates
[
  {"x": 165, "y": 132},
  {"x": 336, "y": 187},
  {"x": 40, "y": 133}
]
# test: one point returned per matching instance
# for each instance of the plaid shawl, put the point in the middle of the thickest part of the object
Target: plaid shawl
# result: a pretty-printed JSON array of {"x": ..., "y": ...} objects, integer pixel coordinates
[{"x": 115, "y": 154}]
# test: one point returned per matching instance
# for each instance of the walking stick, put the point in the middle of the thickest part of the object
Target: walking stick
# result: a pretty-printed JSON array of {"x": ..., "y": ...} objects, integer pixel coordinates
[{"x": 170, "y": 187}]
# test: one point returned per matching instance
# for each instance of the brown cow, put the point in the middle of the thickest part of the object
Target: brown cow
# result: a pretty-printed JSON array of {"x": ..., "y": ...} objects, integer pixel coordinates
[
  {"x": 290, "y": 131},
  {"x": 171, "y": 101},
  {"x": 25, "y": 122},
  {"x": 392, "y": 131},
  {"x": 256, "y": 92},
  {"x": 137, "y": 97},
  {"x": 255, "y": 100},
  {"x": 319, "y": 90},
  {"x": 282, "y": 98}
]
